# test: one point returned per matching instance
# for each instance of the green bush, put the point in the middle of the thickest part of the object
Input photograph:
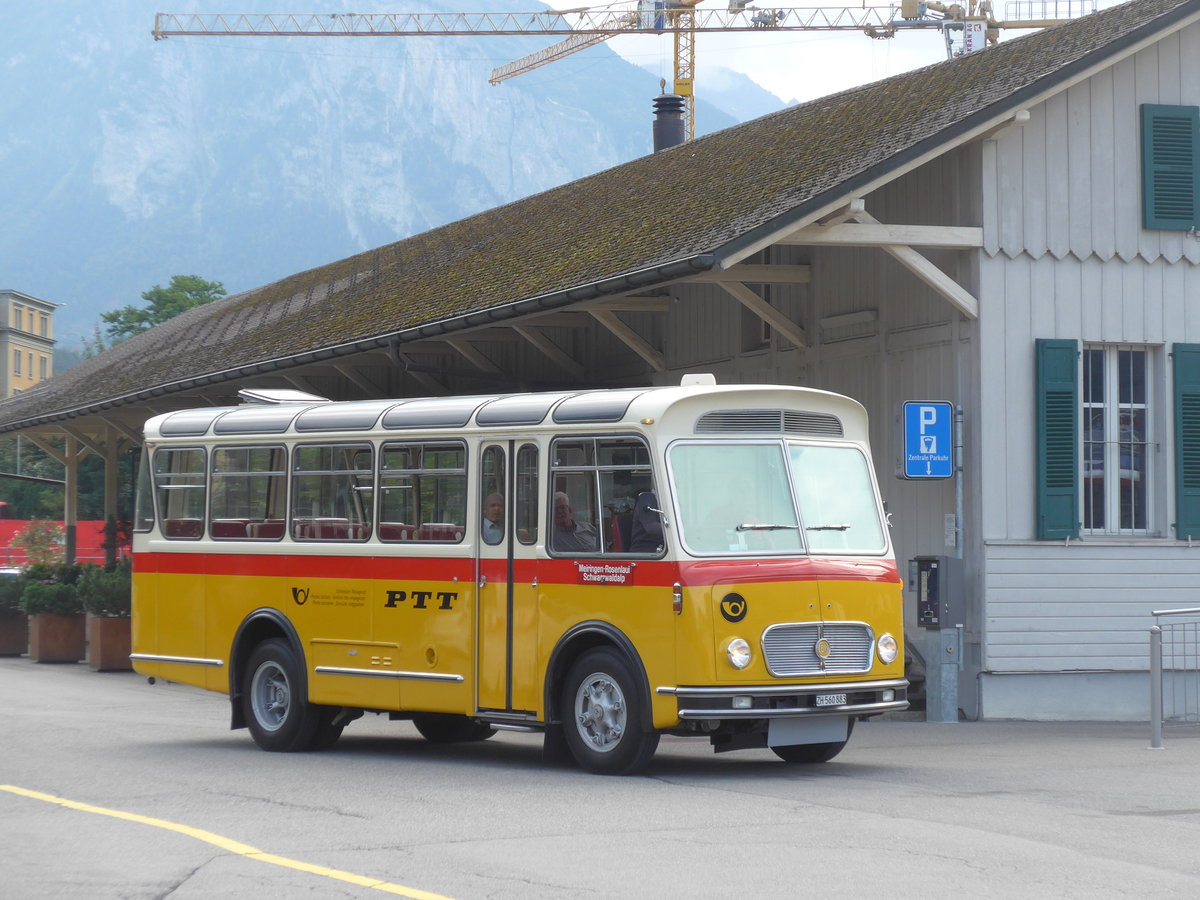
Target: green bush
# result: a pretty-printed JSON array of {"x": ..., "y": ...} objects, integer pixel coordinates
[
  {"x": 11, "y": 586},
  {"x": 59, "y": 572},
  {"x": 50, "y": 597},
  {"x": 106, "y": 592}
]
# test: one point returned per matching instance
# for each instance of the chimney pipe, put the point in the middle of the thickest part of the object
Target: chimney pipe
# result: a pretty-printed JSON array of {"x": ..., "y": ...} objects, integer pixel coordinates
[{"x": 668, "y": 121}]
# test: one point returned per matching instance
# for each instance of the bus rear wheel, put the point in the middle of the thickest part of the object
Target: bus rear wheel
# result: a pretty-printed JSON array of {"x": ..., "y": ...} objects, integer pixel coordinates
[
  {"x": 603, "y": 718},
  {"x": 445, "y": 728},
  {"x": 279, "y": 717}
]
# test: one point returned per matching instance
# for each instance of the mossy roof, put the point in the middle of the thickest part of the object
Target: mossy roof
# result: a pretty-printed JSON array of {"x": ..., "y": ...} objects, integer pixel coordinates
[{"x": 640, "y": 223}]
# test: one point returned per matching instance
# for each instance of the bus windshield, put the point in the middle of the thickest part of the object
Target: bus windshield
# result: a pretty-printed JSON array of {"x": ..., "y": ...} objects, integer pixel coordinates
[{"x": 744, "y": 497}]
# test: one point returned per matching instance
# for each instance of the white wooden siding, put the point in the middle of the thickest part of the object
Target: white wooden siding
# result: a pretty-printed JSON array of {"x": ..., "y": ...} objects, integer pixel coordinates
[
  {"x": 1069, "y": 182},
  {"x": 1054, "y": 608},
  {"x": 1065, "y": 256}
]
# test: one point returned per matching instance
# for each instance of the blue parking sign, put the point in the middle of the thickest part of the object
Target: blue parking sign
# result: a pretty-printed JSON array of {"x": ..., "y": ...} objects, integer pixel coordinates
[{"x": 928, "y": 439}]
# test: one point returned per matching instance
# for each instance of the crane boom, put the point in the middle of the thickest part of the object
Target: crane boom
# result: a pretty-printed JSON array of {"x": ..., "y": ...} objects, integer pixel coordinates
[{"x": 567, "y": 22}]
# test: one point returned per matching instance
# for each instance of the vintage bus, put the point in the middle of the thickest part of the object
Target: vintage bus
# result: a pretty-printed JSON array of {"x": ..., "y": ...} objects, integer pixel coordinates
[{"x": 603, "y": 566}]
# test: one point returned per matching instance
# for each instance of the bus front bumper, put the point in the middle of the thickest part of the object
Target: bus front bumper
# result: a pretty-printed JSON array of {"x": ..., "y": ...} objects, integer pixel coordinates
[{"x": 849, "y": 698}]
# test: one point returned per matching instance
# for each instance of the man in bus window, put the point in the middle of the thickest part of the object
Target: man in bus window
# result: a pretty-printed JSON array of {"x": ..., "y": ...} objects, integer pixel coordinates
[
  {"x": 569, "y": 534},
  {"x": 493, "y": 519},
  {"x": 646, "y": 531}
]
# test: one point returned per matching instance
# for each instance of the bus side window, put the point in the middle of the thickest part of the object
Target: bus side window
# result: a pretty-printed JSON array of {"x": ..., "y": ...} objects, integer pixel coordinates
[
  {"x": 491, "y": 490},
  {"x": 143, "y": 510},
  {"x": 326, "y": 501},
  {"x": 423, "y": 492},
  {"x": 249, "y": 493},
  {"x": 179, "y": 486},
  {"x": 597, "y": 483},
  {"x": 526, "y": 507},
  {"x": 624, "y": 475}
]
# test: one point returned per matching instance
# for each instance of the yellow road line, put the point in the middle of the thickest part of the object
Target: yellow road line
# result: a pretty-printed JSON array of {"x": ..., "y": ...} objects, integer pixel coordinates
[{"x": 230, "y": 845}]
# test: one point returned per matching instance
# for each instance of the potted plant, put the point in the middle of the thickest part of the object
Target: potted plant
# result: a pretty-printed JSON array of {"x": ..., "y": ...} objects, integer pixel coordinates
[
  {"x": 14, "y": 626},
  {"x": 105, "y": 593},
  {"x": 56, "y": 625}
]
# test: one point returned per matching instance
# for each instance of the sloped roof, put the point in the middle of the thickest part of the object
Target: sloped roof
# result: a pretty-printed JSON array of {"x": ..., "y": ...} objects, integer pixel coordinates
[{"x": 648, "y": 221}]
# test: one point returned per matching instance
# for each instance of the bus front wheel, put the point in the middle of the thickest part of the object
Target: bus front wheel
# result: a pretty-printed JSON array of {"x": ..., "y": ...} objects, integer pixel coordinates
[
  {"x": 814, "y": 753},
  {"x": 603, "y": 719},
  {"x": 278, "y": 716}
]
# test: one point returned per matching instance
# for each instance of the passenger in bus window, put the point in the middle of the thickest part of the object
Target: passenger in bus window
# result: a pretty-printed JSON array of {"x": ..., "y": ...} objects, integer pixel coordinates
[
  {"x": 493, "y": 519},
  {"x": 646, "y": 532},
  {"x": 568, "y": 533}
]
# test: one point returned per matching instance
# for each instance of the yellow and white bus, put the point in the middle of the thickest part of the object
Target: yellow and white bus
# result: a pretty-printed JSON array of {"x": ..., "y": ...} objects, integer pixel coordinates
[{"x": 603, "y": 566}]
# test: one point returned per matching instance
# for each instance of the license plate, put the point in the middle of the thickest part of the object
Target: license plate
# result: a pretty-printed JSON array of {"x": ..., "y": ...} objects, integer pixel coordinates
[{"x": 831, "y": 699}]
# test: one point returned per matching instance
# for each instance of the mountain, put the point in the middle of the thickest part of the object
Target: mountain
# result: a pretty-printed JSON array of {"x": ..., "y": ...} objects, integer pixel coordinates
[
  {"x": 736, "y": 95},
  {"x": 244, "y": 159}
]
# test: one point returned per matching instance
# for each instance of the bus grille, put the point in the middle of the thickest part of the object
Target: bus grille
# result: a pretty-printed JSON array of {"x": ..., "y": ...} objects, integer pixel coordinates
[{"x": 792, "y": 649}]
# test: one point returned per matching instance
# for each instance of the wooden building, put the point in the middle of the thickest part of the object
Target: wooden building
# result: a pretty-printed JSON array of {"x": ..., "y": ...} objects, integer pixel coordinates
[{"x": 1012, "y": 231}]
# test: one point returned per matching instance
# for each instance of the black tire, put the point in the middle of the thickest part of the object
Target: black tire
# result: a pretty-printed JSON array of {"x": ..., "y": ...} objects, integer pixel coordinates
[
  {"x": 327, "y": 733},
  {"x": 603, "y": 716},
  {"x": 279, "y": 717},
  {"x": 813, "y": 753},
  {"x": 445, "y": 728}
]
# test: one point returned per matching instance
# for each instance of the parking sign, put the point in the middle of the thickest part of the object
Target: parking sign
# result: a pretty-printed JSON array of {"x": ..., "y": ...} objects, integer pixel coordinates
[{"x": 928, "y": 439}]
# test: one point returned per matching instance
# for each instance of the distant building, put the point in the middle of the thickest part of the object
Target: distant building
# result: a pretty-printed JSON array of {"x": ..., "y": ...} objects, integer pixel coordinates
[{"x": 26, "y": 341}]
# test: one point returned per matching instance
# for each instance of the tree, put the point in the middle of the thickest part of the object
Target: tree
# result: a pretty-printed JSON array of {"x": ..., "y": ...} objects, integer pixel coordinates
[
  {"x": 183, "y": 293},
  {"x": 42, "y": 542}
]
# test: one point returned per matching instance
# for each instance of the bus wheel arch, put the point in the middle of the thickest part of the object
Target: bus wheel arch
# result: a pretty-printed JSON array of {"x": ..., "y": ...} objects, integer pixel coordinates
[
  {"x": 259, "y": 626},
  {"x": 602, "y": 656}
]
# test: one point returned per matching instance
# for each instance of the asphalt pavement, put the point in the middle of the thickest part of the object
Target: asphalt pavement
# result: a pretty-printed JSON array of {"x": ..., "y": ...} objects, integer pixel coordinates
[{"x": 110, "y": 787}]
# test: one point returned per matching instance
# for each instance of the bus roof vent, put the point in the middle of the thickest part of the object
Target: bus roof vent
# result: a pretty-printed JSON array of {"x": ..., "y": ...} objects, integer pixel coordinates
[
  {"x": 273, "y": 396},
  {"x": 768, "y": 421}
]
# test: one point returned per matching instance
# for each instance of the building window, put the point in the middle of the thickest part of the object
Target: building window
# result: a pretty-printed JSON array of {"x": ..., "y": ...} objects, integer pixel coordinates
[
  {"x": 1115, "y": 438},
  {"x": 44, "y": 322},
  {"x": 18, "y": 316},
  {"x": 42, "y": 362},
  {"x": 16, "y": 362},
  {"x": 1098, "y": 411}
]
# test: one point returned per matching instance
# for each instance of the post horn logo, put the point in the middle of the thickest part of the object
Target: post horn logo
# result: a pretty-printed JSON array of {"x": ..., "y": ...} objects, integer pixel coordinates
[
  {"x": 300, "y": 596},
  {"x": 733, "y": 607}
]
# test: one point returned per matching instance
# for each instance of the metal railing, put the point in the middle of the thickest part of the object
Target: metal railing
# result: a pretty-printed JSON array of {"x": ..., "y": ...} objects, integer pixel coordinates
[{"x": 1174, "y": 671}]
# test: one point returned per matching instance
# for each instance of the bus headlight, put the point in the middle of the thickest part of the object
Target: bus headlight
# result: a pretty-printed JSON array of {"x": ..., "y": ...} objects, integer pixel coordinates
[
  {"x": 738, "y": 652},
  {"x": 887, "y": 649}
]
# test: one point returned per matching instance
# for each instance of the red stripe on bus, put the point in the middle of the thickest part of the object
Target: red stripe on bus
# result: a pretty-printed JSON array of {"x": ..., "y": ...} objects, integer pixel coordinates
[{"x": 646, "y": 573}]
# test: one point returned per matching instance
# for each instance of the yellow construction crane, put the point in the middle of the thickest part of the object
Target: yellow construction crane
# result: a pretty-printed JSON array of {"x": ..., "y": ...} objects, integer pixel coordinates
[{"x": 965, "y": 28}]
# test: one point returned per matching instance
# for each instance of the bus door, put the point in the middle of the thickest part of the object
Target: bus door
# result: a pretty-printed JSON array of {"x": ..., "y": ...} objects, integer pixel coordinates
[{"x": 507, "y": 576}]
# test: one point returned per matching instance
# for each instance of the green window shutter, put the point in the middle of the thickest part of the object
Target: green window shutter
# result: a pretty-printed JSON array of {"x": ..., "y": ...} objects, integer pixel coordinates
[
  {"x": 1057, "y": 439},
  {"x": 1170, "y": 167},
  {"x": 1187, "y": 440}
]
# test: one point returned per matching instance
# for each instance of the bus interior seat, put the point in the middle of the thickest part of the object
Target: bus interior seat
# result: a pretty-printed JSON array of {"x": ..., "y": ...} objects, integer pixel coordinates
[
  {"x": 183, "y": 528},
  {"x": 396, "y": 531},
  {"x": 446, "y": 532},
  {"x": 270, "y": 529},
  {"x": 229, "y": 528}
]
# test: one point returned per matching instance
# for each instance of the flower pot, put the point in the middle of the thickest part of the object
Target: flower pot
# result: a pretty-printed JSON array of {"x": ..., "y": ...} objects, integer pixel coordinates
[
  {"x": 55, "y": 638},
  {"x": 108, "y": 643},
  {"x": 14, "y": 633}
]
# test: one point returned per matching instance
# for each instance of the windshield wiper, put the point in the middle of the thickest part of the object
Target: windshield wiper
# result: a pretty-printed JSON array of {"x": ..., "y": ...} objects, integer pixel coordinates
[
  {"x": 754, "y": 526},
  {"x": 827, "y": 528}
]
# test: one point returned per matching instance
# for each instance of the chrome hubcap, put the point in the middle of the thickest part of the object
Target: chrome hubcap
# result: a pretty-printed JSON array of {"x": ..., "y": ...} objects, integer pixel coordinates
[
  {"x": 270, "y": 696},
  {"x": 600, "y": 712}
]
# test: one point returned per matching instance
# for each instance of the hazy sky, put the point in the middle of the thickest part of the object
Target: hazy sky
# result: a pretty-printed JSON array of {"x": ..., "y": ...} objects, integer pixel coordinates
[{"x": 795, "y": 65}]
